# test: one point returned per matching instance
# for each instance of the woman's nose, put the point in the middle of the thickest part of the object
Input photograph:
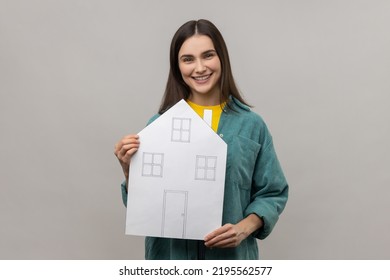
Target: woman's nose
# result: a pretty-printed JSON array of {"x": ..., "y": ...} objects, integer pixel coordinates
[{"x": 200, "y": 67}]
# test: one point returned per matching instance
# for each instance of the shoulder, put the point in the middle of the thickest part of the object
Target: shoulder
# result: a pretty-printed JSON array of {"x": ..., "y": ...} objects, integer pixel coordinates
[
  {"x": 242, "y": 112},
  {"x": 247, "y": 122}
]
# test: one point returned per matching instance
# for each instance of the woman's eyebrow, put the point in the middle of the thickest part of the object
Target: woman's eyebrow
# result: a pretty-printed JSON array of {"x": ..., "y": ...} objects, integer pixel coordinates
[
  {"x": 186, "y": 55},
  {"x": 203, "y": 53},
  {"x": 209, "y": 51}
]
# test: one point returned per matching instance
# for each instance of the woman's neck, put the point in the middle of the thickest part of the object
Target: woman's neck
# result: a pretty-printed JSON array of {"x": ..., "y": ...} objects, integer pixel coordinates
[{"x": 205, "y": 100}]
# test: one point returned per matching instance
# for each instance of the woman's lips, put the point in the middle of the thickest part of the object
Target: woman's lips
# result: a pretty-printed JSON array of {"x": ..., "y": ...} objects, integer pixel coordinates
[{"x": 202, "y": 79}]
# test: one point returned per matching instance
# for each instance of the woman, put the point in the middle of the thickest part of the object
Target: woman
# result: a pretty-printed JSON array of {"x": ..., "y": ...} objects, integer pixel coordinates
[{"x": 255, "y": 188}]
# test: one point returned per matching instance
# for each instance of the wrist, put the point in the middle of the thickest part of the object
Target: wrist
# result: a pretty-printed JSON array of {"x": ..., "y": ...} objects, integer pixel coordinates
[{"x": 251, "y": 223}]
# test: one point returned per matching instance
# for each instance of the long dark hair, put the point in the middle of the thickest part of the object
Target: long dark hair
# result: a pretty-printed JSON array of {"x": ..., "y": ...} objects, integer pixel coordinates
[{"x": 176, "y": 88}]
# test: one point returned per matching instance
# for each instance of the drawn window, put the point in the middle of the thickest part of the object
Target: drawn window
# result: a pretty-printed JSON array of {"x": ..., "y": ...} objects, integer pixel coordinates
[
  {"x": 206, "y": 167},
  {"x": 181, "y": 130},
  {"x": 152, "y": 164}
]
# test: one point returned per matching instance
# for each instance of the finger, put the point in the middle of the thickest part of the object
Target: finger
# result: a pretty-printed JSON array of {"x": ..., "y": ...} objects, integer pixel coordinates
[
  {"x": 217, "y": 232},
  {"x": 230, "y": 239},
  {"x": 126, "y": 158},
  {"x": 226, "y": 243},
  {"x": 130, "y": 139},
  {"x": 216, "y": 240},
  {"x": 127, "y": 147},
  {"x": 221, "y": 239},
  {"x": 126, "y": 141},
  {"x": 131, "y": 136},
  {"x": 121, "y": 149}
]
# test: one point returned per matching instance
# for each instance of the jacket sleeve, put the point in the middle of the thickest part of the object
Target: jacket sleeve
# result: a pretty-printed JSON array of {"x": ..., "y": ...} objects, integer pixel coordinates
[
  {"x": 269, "y": 190},
  {"x": 124, "y": 193}
]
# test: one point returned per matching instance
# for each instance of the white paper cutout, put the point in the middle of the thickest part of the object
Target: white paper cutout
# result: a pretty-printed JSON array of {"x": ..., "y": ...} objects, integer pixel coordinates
[{"x": 177, "y": 177}]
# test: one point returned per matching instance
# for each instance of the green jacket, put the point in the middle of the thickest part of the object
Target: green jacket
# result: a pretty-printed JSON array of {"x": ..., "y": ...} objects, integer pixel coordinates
[{"x": 254, "y": 184}]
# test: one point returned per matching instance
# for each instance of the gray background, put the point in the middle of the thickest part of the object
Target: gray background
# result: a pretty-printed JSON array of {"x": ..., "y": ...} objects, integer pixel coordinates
[{"x": 75, "y": 76}]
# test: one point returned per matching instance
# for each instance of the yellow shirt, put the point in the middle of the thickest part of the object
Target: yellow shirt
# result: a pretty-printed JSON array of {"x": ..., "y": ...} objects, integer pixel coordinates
[{"x": 211, "y": 114}]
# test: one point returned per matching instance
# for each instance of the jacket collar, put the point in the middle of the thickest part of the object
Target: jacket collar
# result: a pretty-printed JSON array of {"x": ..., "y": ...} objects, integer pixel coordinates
[{"x": 236, "y": 104}]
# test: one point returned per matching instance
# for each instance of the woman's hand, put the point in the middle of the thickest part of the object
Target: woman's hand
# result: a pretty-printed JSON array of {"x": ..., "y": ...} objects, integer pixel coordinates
[
  {"x": 124, "y": 150},
  {"x": 227, "y": 236},
  {"x": 230, "y": 235}
]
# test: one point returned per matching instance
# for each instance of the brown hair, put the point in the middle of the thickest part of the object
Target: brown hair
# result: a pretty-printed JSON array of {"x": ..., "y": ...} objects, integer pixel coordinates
[{"x": 176, "y": 89}]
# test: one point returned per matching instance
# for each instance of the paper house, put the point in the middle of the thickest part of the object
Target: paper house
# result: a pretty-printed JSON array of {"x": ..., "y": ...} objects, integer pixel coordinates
[{"x": 177, "y": 177}]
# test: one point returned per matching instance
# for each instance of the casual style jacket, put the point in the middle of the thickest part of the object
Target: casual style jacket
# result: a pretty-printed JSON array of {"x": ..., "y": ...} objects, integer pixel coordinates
[{"x": 254, "y": 184}]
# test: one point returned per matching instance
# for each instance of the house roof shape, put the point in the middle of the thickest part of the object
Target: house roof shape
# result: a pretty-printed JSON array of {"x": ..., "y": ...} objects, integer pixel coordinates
[{"x": 177, "y": 177}]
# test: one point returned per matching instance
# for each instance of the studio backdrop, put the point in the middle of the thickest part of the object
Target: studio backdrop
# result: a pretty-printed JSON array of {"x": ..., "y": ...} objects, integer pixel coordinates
[{"x": 76, "y": 76}]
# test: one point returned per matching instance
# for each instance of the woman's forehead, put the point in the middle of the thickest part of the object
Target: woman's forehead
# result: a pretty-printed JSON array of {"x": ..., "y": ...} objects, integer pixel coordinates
[{"x": 196, "y": 44}]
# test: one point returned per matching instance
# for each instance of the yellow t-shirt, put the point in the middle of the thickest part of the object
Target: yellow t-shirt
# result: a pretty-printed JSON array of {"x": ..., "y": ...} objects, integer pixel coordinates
[{"x": 211, "y": 114}]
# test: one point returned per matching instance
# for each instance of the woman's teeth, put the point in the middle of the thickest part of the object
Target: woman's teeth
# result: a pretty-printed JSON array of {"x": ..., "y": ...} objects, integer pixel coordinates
[{"x": 202, "y": 78}]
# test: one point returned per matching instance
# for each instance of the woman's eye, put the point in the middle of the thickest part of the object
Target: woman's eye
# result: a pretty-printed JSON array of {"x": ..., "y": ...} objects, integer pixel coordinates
[
  {"x": 209, "y": 55},
  {"x": 187, "y": 59}
]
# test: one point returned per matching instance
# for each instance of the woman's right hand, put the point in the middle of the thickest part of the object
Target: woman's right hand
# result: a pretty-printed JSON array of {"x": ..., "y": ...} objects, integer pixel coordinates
[{"x": 124, "y": 150}]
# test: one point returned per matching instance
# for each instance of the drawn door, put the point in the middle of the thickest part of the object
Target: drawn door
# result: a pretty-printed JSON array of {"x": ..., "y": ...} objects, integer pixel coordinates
[{"x": 174, "y": 214}]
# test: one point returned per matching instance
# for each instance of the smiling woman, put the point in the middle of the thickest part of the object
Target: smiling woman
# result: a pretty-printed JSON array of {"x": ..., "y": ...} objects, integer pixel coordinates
[
  {"x": 256, "y": 190},
  {"x": 200, "y": 46},
  {"x": 200, "y": 68}
]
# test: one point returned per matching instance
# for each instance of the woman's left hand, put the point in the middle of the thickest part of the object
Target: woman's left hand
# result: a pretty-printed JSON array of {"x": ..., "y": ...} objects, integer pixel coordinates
[
  {"x": 226, "y": 236},
  {"x": 230, "y": 235}
]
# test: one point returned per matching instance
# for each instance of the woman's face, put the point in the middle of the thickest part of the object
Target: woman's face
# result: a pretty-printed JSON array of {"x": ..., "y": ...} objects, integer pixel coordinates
[{"x": 200, "y": 68}]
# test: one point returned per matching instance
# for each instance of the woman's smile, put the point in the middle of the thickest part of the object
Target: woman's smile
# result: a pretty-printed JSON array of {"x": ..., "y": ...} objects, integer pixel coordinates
[{"x": 202, "y": 79}]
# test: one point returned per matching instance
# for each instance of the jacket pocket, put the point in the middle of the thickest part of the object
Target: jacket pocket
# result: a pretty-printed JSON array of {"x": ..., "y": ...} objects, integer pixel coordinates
[{"x": 242, "y": 155}]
